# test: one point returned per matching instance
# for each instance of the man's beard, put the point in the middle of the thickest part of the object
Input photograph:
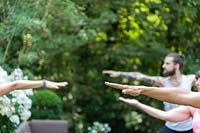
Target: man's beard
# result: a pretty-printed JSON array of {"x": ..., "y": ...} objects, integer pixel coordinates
[{"x": 170, "y": 73}]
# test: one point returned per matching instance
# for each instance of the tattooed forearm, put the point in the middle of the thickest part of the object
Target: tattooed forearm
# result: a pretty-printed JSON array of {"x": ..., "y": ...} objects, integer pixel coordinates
[
  {"x": 132, "y": 75},
  {"x": 140, "y": 77},
  {"x": 150, "y": 81}
]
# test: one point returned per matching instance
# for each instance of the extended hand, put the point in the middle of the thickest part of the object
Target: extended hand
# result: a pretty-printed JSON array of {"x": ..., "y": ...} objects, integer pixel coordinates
[
  {"x": 126, "y": 89},
  {"x": 133, "y": 102},
  {"x": 55, "y": 85}
]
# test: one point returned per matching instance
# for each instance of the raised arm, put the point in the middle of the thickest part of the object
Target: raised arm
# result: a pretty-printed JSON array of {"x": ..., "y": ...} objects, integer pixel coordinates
[
  {"x": 172, "y": 95},
  {"x": 175, "y": 115},
  {"x": 24, "y": 84},
  {"x": 153, "y": 80}
]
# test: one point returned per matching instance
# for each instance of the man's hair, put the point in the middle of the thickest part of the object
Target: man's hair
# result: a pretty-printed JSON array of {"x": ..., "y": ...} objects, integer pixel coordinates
[
  {"x": 177, "y": 59},
  {"x": 197, "y": 76}
]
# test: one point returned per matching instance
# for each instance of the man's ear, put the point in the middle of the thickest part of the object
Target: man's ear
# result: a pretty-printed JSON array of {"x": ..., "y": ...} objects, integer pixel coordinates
[{"x": 177, "y": 66}]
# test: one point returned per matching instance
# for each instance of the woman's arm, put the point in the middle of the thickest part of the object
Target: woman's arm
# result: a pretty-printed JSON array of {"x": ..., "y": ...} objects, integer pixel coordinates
[
  {"x": 175, "y": 115},
  {"x": 25, "y": 84},
  {"x": 172, "y": 95}
]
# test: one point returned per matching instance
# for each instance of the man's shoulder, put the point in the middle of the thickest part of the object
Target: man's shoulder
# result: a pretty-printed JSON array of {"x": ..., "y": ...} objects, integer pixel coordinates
[{"x": 190, "y": 77}]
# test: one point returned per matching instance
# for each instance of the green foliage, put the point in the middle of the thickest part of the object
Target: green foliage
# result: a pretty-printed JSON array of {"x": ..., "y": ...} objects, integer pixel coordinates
[
  {"x": 75, "y": 40},
  {"x": 46, "y": 104},
  {"x": 6, "y": 125}
]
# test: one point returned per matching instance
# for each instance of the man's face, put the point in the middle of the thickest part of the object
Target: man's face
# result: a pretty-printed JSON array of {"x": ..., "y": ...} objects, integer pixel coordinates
[{"x": 168, "y": 67}]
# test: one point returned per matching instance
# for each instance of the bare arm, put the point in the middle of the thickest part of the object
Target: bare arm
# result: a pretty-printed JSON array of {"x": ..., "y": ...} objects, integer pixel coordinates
[
  {"x": 24, "y": 84},
  {"x": 153, "y": 80},
  {"x": 175, "y": 115},
  {"x": 172, "y": 95}
]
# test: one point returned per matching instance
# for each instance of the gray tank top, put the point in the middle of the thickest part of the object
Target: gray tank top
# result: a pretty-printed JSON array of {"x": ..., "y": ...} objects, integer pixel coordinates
[{"x": 178, "y": 126}]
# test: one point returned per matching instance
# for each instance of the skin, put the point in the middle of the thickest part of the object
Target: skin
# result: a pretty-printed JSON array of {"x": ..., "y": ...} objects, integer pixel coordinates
[
  {"x": 168, "y": 66},
  {"x": 24, "y": 84},
  {"x": 172, "y": 71},
  {"x": 178, "y": 114},
  {"x": 172, "y": 95}
]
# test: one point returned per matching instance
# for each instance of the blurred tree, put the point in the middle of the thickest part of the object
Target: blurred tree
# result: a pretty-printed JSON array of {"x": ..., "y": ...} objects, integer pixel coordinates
[{"x": 76, "y": 40}]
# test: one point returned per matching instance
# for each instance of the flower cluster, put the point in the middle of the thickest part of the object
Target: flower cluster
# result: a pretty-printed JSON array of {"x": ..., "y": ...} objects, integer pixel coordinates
[
  {"x": 15, "y": 106},
  {"x": 98, "y": 127}
]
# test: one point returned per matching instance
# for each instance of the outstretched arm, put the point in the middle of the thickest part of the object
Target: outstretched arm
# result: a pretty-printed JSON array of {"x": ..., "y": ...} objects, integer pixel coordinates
[
  {"x": 153, "y": 80},
  {"x": 172, "y": 95},
  {"x": 175, "y": 115},
  {"x": 24, "y": 84}
]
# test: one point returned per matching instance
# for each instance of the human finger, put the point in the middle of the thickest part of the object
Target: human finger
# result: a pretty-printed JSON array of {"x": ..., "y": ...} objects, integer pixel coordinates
[
  {"x": 106, "y": 71},
  {"x": 117, "y": 86},
  {"x": 133, "y": 92}
]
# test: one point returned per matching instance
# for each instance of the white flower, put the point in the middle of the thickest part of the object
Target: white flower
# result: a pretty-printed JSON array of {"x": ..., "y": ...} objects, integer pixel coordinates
[
  {"x": 93, "y": 131},
  {"x": 89, "y": 128},
  {"x": 5, "y": 100},
  {"x": 21, "y": 99},
  {"x": 25, "y": 115},
  {"x": 15, "y": 105},
  {"x": 28, "y": 92},
  {"x": 15, "y": 119},
  {"x": 6, "y": 111},
  {"x": 17, "y": 74},
  {"x": 99, "y": 127},
  {"x": 4, "y": 76}
]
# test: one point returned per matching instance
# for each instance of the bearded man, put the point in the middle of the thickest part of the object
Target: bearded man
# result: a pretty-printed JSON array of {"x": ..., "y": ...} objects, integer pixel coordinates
[{"x": 171, "y": 77}]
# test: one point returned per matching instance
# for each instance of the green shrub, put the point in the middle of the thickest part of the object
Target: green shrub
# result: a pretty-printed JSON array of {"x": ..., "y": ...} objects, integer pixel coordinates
[{"x": 46, "y": 104}]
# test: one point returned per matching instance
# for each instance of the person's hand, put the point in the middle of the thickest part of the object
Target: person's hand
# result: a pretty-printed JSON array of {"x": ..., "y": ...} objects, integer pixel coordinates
[
  {"x": 55, "y": 85},
  {"x": 126, "y": 89},
  {"x": 133, "y": 102},
  {"x": 111, "y": 73}
]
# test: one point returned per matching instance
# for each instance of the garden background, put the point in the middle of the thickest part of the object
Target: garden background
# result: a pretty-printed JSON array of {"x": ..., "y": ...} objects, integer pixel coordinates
[{"x": 75, "y": 40}]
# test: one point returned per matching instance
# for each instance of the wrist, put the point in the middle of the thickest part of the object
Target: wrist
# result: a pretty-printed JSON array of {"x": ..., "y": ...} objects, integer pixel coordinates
[
  {"x": 138, "y": 104},
  {"x": 142, "y": 89},
  {"x": 146, "y": 90},
  {"x": 119, "y": 73},
  {"x": 44, "y": 83}
]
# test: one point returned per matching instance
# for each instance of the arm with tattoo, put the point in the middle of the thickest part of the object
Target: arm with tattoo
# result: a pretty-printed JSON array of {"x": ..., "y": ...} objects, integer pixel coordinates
[{"x": 153, "y": 80}]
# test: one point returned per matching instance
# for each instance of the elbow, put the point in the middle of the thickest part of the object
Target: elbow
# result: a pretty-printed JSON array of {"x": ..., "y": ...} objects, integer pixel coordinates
[
  {"x": 194, "y": 104},
  {"x": 167, "y": 117},
  {"x": 171, "y": 120},
  {"x": 194, "y": 100}
]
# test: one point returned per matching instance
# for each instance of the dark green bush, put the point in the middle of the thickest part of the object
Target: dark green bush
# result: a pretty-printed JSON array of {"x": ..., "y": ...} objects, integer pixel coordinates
[{"x": 46, "y": 104}]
